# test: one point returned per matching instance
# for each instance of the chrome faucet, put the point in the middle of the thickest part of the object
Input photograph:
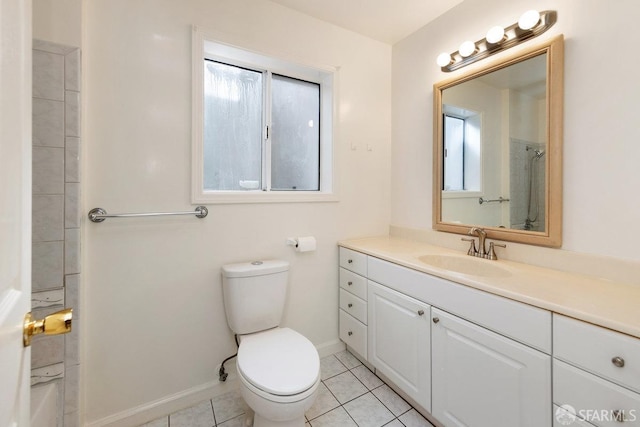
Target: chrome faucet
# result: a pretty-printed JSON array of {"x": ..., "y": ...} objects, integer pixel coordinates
[{"x": 482, "y": 235}]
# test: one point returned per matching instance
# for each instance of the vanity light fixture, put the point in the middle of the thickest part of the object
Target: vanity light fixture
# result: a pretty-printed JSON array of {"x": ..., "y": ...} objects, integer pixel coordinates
[
  {"x": 467, "y": 49},
  {"x": 495, "y": 35},
  {"x": 531, "y": 24}
]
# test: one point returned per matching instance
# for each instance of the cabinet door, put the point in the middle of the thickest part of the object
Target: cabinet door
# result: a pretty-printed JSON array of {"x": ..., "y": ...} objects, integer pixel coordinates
[
  {"x": 399, "y": 341},
  {"x": 482, "y": 379}
]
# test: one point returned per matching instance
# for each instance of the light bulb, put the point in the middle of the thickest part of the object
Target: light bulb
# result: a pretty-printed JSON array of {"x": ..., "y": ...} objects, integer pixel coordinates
[
  {"x": 529, "y": 19},
  {"x": 467, "y": 48},
  {"x": 495, "y": 35},
  {"x": 443, "y": 59}
]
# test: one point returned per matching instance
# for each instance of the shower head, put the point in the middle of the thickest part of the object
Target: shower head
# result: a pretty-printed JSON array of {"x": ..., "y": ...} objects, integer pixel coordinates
[{"x": 536, "y": 153}]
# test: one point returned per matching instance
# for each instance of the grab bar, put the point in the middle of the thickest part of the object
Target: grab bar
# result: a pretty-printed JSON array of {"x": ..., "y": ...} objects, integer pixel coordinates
[
  {"x": 499, "y": 200},
  {"x": 99, "y": 214}
]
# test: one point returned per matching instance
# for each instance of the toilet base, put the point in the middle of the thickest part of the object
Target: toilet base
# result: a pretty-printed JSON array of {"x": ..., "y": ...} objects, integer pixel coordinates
[{"x": 259, "y": 421}]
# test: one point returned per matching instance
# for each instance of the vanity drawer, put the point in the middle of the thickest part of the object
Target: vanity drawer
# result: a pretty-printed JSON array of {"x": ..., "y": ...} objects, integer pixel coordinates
[
  {"x": 353, "y": 333},
  {"x": 353, "y": 283},
  {"x": 595, "y": 399},
  {"x": 353, "y": 305},
  {"x": 354, "y": 261},
  {"x": 609, "y": 354}
]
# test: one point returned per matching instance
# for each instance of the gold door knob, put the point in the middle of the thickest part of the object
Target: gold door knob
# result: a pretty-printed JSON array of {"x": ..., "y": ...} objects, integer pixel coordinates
[{"x": 54, "y": 324}]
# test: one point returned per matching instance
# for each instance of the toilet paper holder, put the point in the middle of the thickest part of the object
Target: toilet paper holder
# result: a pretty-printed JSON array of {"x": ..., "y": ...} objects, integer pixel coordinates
[{"x": 302, "y": 244}]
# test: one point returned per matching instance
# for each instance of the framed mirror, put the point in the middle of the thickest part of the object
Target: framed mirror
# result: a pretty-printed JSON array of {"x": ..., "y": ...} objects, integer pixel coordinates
[{"x": 498, "y": 148}]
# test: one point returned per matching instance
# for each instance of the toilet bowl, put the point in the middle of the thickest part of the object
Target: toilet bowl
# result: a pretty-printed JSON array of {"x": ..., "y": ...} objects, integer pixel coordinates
[{"x": 279, "y": 371}]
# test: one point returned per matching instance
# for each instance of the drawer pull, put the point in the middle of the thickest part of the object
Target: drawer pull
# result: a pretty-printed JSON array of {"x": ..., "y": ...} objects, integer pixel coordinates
[
  {"x": 618, "y": 361},
  {"x": 349, "y": 333},
  {"x": 349, "y": 283},
  {"x": 420, "y": 312},
  {"x": 349, "y": 305},
  {"x": 436, "y": 320},
  {"x": 350, "y": 261}
]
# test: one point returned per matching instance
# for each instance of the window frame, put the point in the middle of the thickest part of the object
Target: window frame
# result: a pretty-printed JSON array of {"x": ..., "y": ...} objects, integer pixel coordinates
[{"x": 211, "y": 46}]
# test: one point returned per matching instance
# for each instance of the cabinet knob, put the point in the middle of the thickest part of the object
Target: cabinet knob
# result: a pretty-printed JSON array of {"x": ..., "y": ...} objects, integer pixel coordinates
[
  {"x": 350, "y": 261},
  {"x": 349, "y": 283},
  {"x": 349, "y": 305},
  {"x": 436, "y": 320},
  {"x": 618, "y": 361},
  {"x": 349, "y": 333},
  {"x": 420, "y": 312}
]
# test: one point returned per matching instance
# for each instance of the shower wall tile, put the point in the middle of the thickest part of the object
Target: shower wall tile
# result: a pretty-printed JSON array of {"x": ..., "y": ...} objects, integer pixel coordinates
[
  {"x": 46, "y": 350},
  {"x": 72, "y": 159},
  {"x": 71, "y": 389},
  {"x": 47, "y": 265},
  {"x": 44, "y": 299},
  {"x": 72, "y": 113},
  {"x": 72, "y": 251},
  {"x": 48, "y": 170},
  {"x": 48, "y": 75},
  {"x": 72, "y": 70},
  {"x": 48, "y": 123},
  {"x": 72, "y": 205},
  {"x": 51, "y": 47},
  {"x": 72, "y": 300},
  {"x": 57, "y": 216},
  {"x": 47, "y": 222},
  {"x": 47, "y": 374}
]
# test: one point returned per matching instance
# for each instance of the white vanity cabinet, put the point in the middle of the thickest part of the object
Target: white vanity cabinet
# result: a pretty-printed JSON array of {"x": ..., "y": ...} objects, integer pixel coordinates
[
  {"x": 353, "y": 300},
  {"x": 596, "y": 371},
  {"x": 482, "y": 379},
  {"x": 399, "y": 341}
]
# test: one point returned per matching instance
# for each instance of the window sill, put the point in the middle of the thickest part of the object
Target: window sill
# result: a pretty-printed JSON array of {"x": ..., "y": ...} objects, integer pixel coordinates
[{"x": 242, "y": 197}]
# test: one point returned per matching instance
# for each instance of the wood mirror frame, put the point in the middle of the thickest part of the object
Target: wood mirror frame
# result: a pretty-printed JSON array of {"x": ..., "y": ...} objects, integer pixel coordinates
[{"x": 552, "y": 234}]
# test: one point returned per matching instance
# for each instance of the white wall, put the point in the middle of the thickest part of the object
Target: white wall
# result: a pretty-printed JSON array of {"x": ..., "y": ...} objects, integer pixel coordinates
[
  {"x": 58, "y": 21},
  {"x": 601, "y": 149},
  {"x": 155, "y": 321}
]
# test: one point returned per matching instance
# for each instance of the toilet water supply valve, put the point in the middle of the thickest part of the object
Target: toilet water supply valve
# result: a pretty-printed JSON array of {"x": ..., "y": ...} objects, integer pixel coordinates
[{"x": 222, "y": 374}]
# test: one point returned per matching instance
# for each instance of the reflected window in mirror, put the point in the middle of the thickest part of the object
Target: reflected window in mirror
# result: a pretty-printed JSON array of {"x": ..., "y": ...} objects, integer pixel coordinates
[{"x": 462, "y": 146}]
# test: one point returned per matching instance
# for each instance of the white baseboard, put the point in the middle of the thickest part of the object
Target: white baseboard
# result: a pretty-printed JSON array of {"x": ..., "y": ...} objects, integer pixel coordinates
[
  {"x": 330, "y": 348},
  {"x": 162, "y": 407}
]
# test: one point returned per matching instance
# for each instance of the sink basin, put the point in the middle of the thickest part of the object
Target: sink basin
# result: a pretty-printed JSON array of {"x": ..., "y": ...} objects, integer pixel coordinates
[{"x": 465, "y": 265}]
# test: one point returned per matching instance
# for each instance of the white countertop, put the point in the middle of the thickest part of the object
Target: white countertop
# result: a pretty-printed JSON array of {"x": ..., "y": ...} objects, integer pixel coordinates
[{"x": 605, "y": 303}]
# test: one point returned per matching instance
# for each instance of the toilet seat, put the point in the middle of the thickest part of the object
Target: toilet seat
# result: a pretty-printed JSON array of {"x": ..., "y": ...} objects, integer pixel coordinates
[{"x": 279, "y": 362}]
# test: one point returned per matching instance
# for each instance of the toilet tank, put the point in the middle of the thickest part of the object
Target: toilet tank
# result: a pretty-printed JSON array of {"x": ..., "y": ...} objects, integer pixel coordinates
[{"x": 254, "y": 294}]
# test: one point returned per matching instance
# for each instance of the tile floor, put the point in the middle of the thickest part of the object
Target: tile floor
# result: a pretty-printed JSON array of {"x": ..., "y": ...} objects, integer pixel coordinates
[{"x": 350, "y": 395}]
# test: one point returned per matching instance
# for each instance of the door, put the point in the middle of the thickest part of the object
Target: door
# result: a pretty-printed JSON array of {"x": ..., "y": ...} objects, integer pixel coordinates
[
  {"x": 399, "y": 341},
  {"x": 15, "y": 208},
  {"x": 482, "y": 379}
]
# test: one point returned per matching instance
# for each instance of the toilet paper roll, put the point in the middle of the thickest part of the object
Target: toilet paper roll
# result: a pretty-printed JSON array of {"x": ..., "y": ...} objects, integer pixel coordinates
[{"x": 306, "y": 244}]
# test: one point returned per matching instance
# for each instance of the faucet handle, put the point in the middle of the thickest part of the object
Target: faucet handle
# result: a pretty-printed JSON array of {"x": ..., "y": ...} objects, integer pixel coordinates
[
  {"x": 472, "y": 249},
  {"x": 492, "y": 253}
]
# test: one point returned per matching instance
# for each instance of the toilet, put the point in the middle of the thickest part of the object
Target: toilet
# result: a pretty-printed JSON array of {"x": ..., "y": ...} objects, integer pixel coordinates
[{"x": 278, "y": 368}]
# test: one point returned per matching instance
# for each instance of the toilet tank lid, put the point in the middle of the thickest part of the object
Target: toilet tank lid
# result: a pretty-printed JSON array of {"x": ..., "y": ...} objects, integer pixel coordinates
[{"x": 254, "y": 268}]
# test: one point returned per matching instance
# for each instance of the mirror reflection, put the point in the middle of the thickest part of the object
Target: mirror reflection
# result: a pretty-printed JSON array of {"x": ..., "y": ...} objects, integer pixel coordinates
[{"x": 494, "y": 136}]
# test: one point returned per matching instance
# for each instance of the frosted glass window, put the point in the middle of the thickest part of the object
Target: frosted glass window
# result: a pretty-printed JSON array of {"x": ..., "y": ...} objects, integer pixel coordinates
[
  {"x": 295, "y": 134},
  {"x": 233, "y": 117},
  {"x": 262, "y": 128}
]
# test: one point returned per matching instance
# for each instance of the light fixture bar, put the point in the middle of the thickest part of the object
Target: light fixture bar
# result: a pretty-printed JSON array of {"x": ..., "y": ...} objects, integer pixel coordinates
[{"x": 513, "y": 35}]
